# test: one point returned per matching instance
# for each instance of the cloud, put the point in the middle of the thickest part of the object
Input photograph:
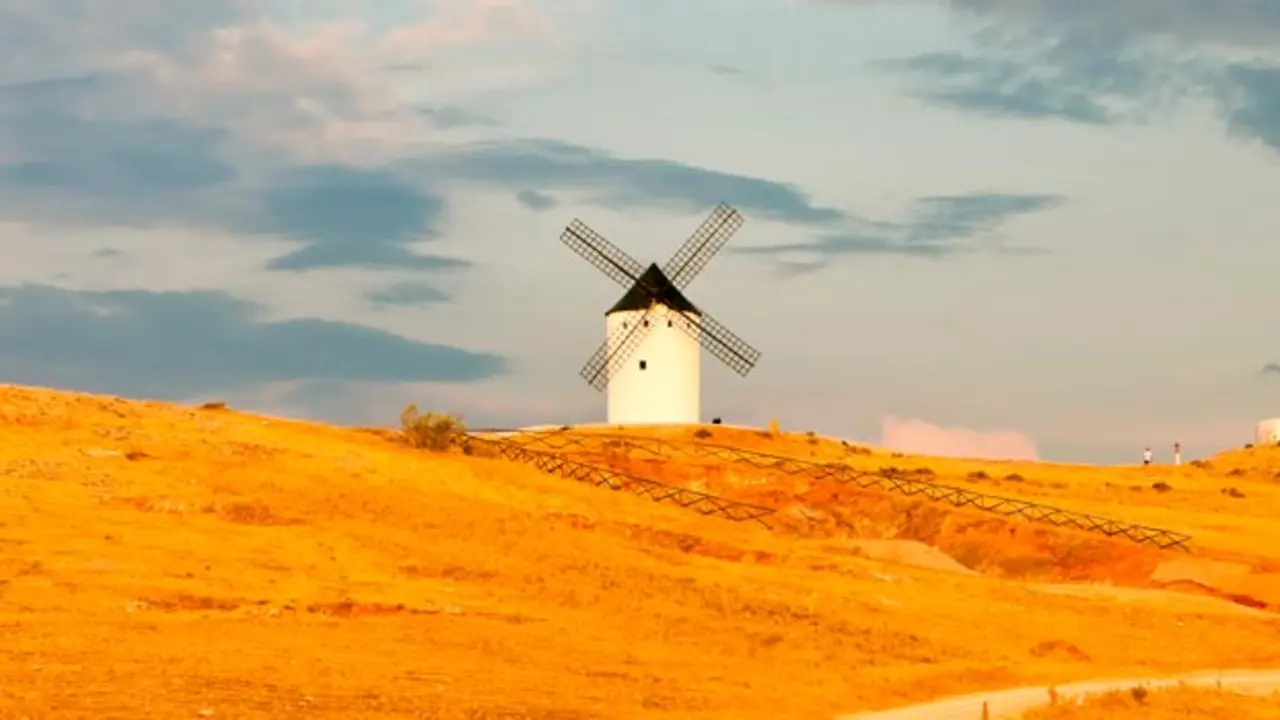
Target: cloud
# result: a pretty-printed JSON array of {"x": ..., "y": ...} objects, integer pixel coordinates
[
  {"x": 1098, "y": 62},
  {"x": 448, "y": 117},
  {"x": 1271, "y": 368},
  {"x": 923, "y": 438},
  {"x": 1249, "y": 23},
  {"x": 623, "y": 182},
  {"x": 174, "y": 345},
  {"x": 999, "y": 87},
  {"x": 934, "y": 227},
  {"x": 535, "y": 200},
  {"x": 352, "y": 217},
  {"x": 1076, "y": 78},
  {"x": 1252, "y": 99},
  {"x": 150, "y": 113},
  {"x": 410, "y": 293},
  {"x": 726, "y": 70},
  {"x": 58, "y": 162}
]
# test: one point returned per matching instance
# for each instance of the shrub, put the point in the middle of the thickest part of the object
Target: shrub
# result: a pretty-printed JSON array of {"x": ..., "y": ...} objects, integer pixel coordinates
[
  {"x": 431, "y": 431},
  {"x": 1161, "y": 486},
  {"x": 855, "y": 449},
  {"x": 1014, "y": 477},
  {"x": 702, "y": 433},
  {"x": 979, "y": 475}
]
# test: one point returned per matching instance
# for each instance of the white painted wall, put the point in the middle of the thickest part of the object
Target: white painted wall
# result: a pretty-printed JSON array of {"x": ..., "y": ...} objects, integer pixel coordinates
[
  {"x": 668, "y": 389},
  {"x": 1268, "y": 432}
]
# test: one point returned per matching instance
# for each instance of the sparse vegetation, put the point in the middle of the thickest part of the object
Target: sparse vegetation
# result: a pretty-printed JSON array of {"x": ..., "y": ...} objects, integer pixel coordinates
[
  {"x": 979, "y": 475},
  {"x": 295, "y": 538},
  {"x": 1174, "y": 703},
  {"x": 1014, "y": 477},
  {"x": 431, "y": 431},
  {"x": 1161, "y": 486},
  {"x": 702, "y": 433}
]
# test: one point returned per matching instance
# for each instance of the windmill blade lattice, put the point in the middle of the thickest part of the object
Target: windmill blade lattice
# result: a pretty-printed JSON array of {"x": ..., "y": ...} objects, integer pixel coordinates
[
  {"x": 721, "y": 342},
  {"x": 607, "y": 257},
  {"x": 602, "y": 364},
  {"x": 705, "y": 242}
]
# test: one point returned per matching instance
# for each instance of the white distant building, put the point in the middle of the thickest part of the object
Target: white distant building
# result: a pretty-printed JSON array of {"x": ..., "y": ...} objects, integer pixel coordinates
[
  {"x": 660, "y": 381},
  {"x": 651, "y": 359},
  {"x": 1268, "y": 432}
]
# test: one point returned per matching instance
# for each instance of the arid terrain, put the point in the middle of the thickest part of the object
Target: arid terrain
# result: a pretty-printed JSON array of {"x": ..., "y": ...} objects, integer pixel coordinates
[
  {"x": 1171, "y": 704},
  {"x": 166, "y": 561}
]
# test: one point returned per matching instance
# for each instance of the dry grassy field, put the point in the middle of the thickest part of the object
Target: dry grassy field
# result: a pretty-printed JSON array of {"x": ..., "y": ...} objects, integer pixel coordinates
[
  {"x": 1171, "y": 704},
  {"x": 165, "y": 561}
]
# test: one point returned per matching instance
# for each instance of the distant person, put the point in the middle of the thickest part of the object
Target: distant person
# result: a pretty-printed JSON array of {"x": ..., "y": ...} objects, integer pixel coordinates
[
  {"x": 1177, "y": 453},
  {"x": 1146, "y": 456}
]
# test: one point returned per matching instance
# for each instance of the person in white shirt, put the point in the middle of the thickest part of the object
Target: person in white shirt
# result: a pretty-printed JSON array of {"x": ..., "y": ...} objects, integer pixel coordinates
[{"x": 1146, "y": 456}]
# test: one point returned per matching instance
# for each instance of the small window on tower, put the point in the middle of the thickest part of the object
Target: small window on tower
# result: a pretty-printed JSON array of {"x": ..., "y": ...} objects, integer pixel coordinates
[
  {"x": 668, "y": 322},
  {"x": 643, "y": 365},
  {"x": 646, "y": 323}
]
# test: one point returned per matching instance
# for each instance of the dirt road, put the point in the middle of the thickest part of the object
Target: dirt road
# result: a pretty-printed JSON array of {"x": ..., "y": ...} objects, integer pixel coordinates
[{"x": 1009, "y": 704}]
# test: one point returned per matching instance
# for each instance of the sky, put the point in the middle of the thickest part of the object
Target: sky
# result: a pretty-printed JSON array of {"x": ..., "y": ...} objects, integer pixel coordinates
[{"x": 1003, "y": 228}]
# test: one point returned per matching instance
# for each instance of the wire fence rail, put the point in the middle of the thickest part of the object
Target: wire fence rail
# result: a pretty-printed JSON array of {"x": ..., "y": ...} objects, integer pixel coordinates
[
  {"x": 603, "y": 476},
  {"x": 563, "y": 445}
]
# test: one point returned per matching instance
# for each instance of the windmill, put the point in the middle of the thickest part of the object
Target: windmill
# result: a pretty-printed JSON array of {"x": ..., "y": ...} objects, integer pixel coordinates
[{"x": 650, "y": 360}]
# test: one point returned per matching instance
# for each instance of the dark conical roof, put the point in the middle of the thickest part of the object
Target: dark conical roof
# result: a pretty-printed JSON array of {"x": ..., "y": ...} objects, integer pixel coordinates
[{"x": 653, "y": 287}]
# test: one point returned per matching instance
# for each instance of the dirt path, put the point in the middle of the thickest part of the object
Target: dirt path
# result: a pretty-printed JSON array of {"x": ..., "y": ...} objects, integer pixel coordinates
[{"x": 1009, "y": 704}]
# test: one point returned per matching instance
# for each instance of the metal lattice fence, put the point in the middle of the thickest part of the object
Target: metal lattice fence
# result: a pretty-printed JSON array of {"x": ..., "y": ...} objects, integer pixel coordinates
[
  {"x": 562, "y": 446},
  {"x": 602, "y": 476}
]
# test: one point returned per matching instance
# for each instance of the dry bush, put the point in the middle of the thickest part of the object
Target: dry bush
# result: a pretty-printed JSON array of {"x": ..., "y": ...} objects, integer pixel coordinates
[
  {"x": 431, "y": 431},
  {"x": 855, "y": 449},
  {"x": 979, "y": 475},
  {"x": 702, "y": 433}
]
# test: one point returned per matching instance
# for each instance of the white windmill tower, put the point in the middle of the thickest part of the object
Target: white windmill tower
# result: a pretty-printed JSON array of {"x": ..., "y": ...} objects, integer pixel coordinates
[{"x": 650, "y": 360}]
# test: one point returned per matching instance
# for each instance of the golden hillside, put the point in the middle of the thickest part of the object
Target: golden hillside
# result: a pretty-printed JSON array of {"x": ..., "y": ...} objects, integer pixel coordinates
[{"x": 160, "y": 561}]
